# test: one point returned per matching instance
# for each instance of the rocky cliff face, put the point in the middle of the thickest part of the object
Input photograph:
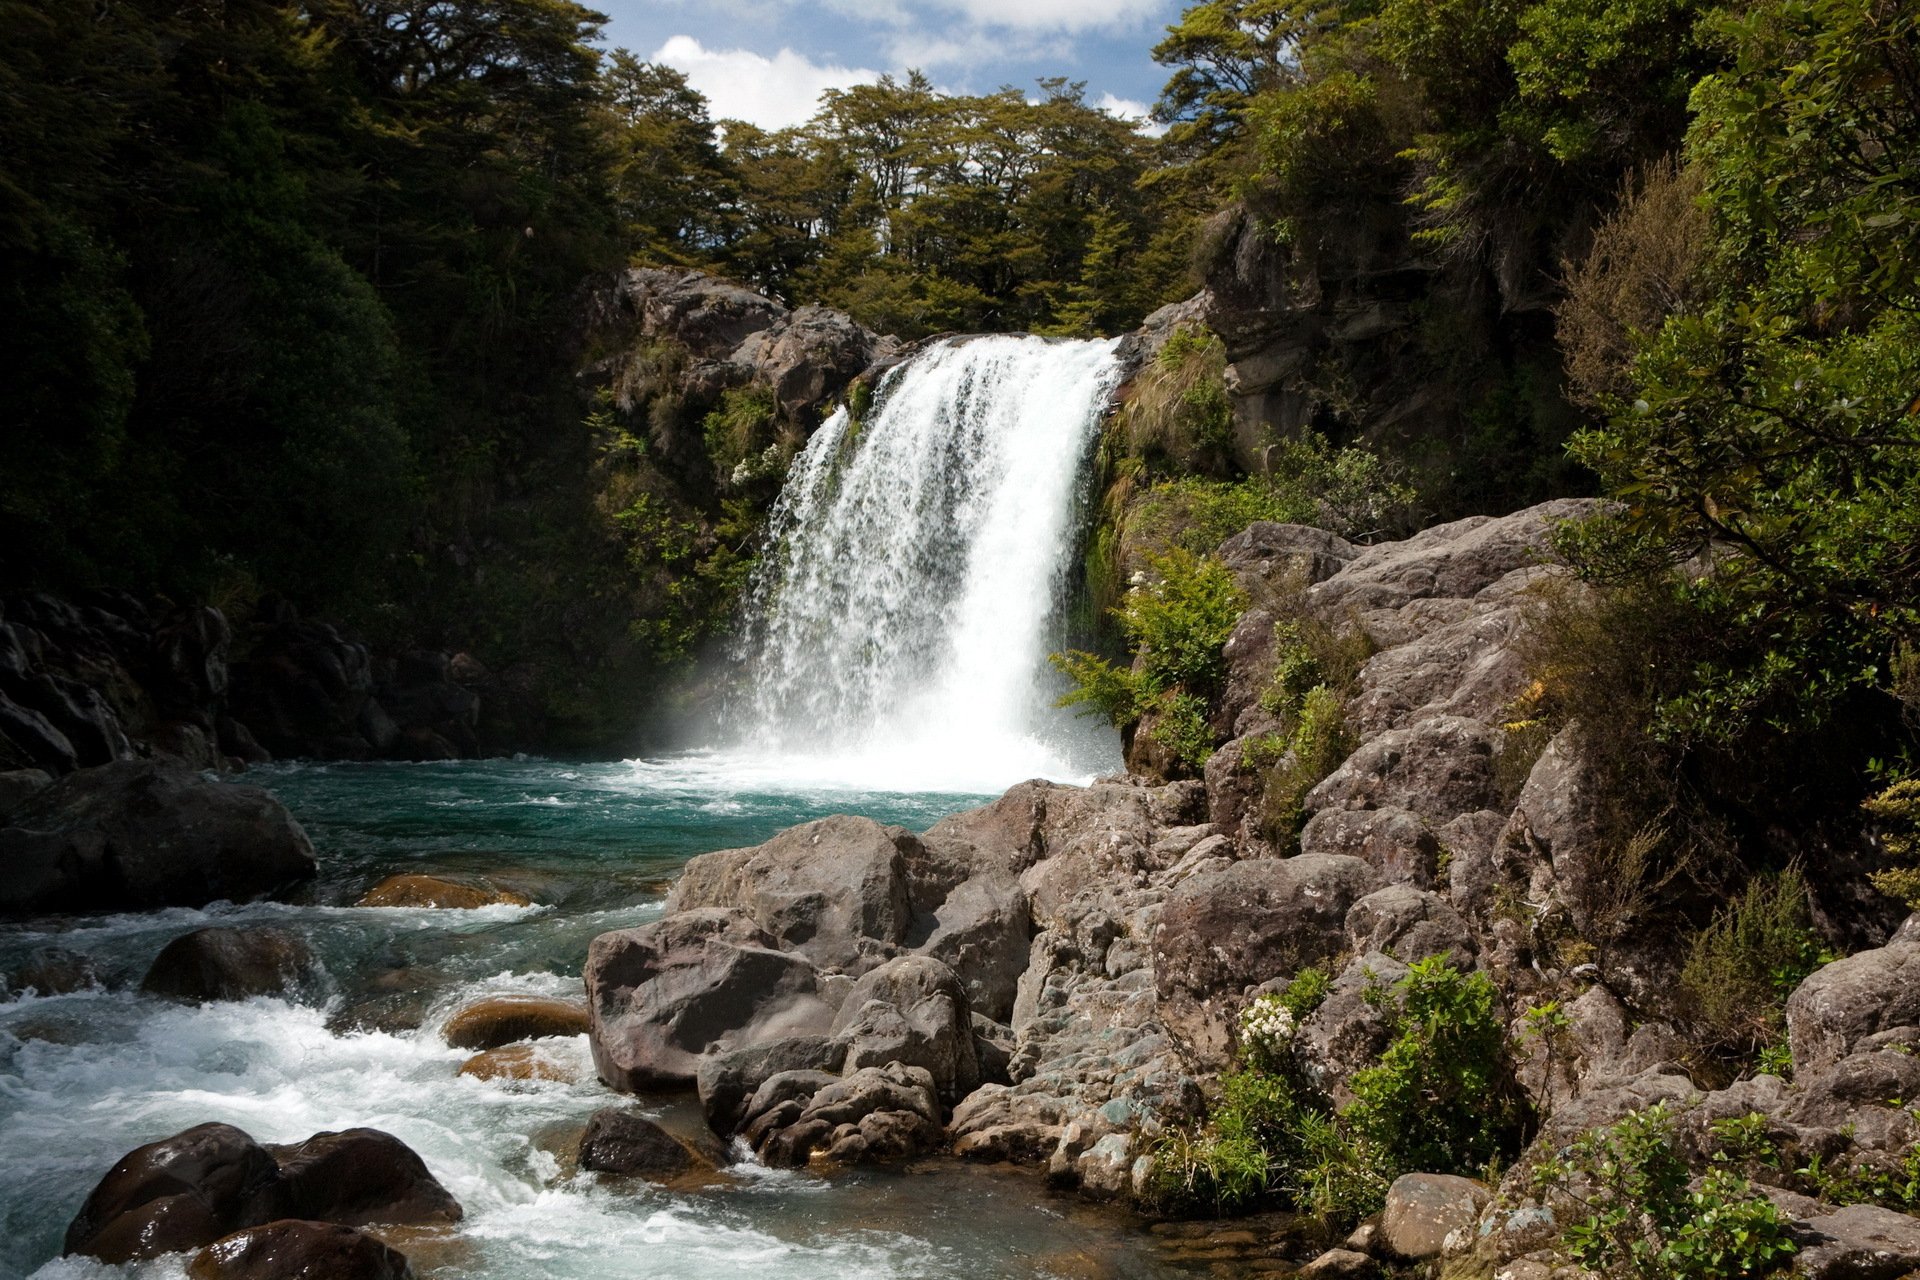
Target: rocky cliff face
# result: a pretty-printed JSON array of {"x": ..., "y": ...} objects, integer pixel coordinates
[{"x": 1057, "y": 978}]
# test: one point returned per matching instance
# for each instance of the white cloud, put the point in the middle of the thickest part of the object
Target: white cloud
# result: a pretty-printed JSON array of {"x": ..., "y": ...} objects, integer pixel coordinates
[
  {"x": 1127, "y": 109},
  {"x": 742, "y": 85}
]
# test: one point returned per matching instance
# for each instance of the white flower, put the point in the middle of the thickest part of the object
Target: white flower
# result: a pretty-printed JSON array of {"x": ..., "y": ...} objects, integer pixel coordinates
[{"x": 1267, "y": 1024}]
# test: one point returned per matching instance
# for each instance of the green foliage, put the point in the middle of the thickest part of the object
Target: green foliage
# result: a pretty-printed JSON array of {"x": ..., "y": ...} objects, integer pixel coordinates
[
  {"x": 1631, "y": 1213},
  {"x": 1317, "y": 743},
  {"x": 1896, "y": 819},
  {"x": 1439, "y": 1100},
  {"x": 1741, "y": 968},
  {"x": 1441, "y": 1097},
  {"x": 738, "y": 430},
  {"x": 1181, "y": 727},
  {"x": 1179, "y": 416}
]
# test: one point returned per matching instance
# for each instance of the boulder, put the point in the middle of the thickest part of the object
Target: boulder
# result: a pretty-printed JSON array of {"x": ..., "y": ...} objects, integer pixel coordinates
[
  {"x": 179, "y": 1193},
  {"x": 1393, "y": 841},
  {"x": 912, "y": 1011},
  {"x": 358, "y": 1176},
  {"x": 1409, "y": 925},
  {"x": 520, "y": 1062},
  {"x": 621, "y": 1142},
  {"x": 983, "y": 931},
  {"x": 1437, "y": 769},
  {"x": 230, "y": 964},
  {"x": 1341, "y": 1264},
  {"x": 503, "y": 1020},
  {"x": 19, "y": 785},
  {"x": 1844, "y": 1003},
  {"x": 661, "y": 996},
  {"x": 435, "y": 891},
  {"x": 303, "y": 690},
  {"x": 808, "y": 356},
  {"x": 728, "y": 1079},
  {"x": 31, "y": 743},
  {"x": 708, "y": 316},
  {"x": 834, "y": 890},
  {"x": 1223, "y": 932},
  {"x": 1423, "y": 1209},
  {"x": 875, "y": 1113},
  {"x": 139, "y": 835},
  {"x": 292, "y": 1249},
  {"x": 1858, "y": 1242}
]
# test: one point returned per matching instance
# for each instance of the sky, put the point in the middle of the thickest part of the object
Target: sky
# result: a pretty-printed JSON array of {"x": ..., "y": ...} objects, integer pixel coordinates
[{"x": 767, "y": 61}]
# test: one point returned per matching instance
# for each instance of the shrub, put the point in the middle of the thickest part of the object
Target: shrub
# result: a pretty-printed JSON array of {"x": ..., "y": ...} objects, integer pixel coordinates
[
  {"x": 1180, "y": 412},
  {"x": 1741, "y": 968},
  {"x": 1896, "y": 817},
  {"x": 1319, "y": 741},
  {"x": 1633, "y": 1214},
  {"x": 736, "y": 431},
  {"x": 1441, "y": 1098}
]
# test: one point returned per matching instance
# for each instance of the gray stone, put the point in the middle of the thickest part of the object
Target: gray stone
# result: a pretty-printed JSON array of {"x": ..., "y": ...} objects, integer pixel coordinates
[
  {"x": 911, "y": 1011},
  {"x": 1341, "y": 1264},
  {"x": 727, "y": 1079},
  {"x": 982, "y": 932},
  {"x": 1423, "y": 1209},
  {"x": 1849, "y": 1000},
  {"x": 1859, "y": 1242},
  {"x": 1438, "y": 769},
  {"x": 661, "y": 996},
  {"x": 1394, "y": 841}
]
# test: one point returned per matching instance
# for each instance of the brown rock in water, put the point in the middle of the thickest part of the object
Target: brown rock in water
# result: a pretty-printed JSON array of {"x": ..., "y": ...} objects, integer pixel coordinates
[
  {"x": 359, "y": 1176},
  {"x": 139, "y": 834},
  {"x": 179, "y": 1193},
  {"x": 432, "y": 891},
  {"x": 621, "y": 1142},
  {"x": 502, "y": 1020},
  {"x": 230, "y": 964},
  {"x": 518, "y": 1062},
  {"x": 50, "y": 971},
  {"x": 292, "y": 1249}
]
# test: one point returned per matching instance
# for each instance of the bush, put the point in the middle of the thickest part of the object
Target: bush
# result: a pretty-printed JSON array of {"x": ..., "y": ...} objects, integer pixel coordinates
[
  {"x": 737, "y": 431},
  {"x": 1633, "y": 1214},
  {"x": 1441, "y": 1099},
  {"x": 1318, "y": 742},
  {"x": 1742, "y": 967},
  {"x": 1180, "y": 414},
  {"x": 1896, "y": 818}
]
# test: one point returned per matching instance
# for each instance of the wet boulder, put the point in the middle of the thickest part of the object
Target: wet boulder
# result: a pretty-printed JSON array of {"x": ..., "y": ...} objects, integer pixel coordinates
[
  {"x": 439, "y": 892},
  {"x": 503, "y": 1020},
  {"x": 728, "y": 1079},
  {"x": 230, "y": 964},
  {"x": 291, "y": 1249},
  {"x": 179, "y": 1193},
  {"x": 834, "y": 890},
  {"x": 873, "y": 1114},
  {"x": 50, "y": 971},
  {"x": 138, "y": 835},
  {"x": 621, "y": 1142},
  {"x": 661, "y": 996},
  {"x": 520, "y": 1063},
  {"x": 359, "y": 1176}
]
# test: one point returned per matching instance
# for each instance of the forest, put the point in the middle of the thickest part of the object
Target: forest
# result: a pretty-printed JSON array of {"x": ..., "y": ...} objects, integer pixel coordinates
[{"x": 284, "y": 278}]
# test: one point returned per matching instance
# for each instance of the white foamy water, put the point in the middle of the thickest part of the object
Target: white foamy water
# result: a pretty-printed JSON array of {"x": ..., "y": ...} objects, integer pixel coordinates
[{"x": 898, "y": 630}]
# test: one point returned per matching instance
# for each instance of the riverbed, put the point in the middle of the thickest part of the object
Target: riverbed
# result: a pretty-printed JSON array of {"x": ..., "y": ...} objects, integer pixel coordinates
[{"x": 84, "y": 1078}]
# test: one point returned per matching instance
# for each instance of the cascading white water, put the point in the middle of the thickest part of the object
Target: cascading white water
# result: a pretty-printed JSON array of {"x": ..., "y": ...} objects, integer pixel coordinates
[{"x": 898, "y": 629}]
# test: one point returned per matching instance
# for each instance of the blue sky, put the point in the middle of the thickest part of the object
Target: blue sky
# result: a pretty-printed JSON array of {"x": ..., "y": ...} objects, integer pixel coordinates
[{"x": 768, "y": 60}]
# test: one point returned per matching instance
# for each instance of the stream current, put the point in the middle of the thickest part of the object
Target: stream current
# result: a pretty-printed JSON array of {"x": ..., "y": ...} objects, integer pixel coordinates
[{"x": 85, "y": 1078}]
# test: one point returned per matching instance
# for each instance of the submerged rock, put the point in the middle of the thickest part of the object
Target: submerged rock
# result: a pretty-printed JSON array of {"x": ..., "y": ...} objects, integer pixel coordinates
[
  {"x": 50, "y": 971},
  {"x": 434, "y": 891},
  {"x": 230, "y": 964},
  {"x": 524, "y": 1062},
  {"x": 292, "y": 1249},
  {"x": 138, "y": 835},
  {"x": 503, "y": 1020}
]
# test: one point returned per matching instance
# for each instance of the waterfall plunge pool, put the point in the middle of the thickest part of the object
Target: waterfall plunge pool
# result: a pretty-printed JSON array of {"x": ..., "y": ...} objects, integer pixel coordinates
[{"x": 87, "y": 1077}]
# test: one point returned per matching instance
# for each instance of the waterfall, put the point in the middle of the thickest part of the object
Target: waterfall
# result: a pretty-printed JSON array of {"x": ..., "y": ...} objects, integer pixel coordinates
[{"x": 917, "y": 566}]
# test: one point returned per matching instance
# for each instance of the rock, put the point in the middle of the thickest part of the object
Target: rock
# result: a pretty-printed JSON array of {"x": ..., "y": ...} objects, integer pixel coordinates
[
  {"x": 522, "y": 1062},
  {"x": 1437, "y": 769},
  {"x": 809, "y": 356},
  {"x": 1557, "y": 820},
  {"x": 1393, "y": 841},
  {"x": 661, "y": 996},
  {"x": 727, "y": 1080},
  {"x": 911, "y": 1011},
  {"x": 302, "y": 692},
  {"x": 50, "y": 971},
  {"x": 833, "y": 890},
  {"x": 501, "y": 1020},
  {"x": 1843, "y": 1003},
  {"x": 358, "y": 1176},
  {"x": 33, "y": 741},
  {"x": 420, "y": 698},
  {"x": 1226, "y": 931},
  {"x": 1422, "y": 1209},
  {"x": 433, "y": 891},
  {"x": 621, "y": 1142},
  {"x": 1409, "y": 925},
  {"x": 874, "y": 1114},
  {"x": 707, "y": 315},
  {"x": 993, "y": 1046},
  {"x": 19, "y": 785},
  {"x": 1859, "y": 1242},
  {"x": 1270, "y": 555},
  {"x": 982, "y": 931},
  {"x": 230, "y": 964},
  {"x": 139, "y": 835},
  {"x": 1340, "y": 1264},
  {"x": 295, "y": 1250},
  {"x": 180, "y": 1193}
]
